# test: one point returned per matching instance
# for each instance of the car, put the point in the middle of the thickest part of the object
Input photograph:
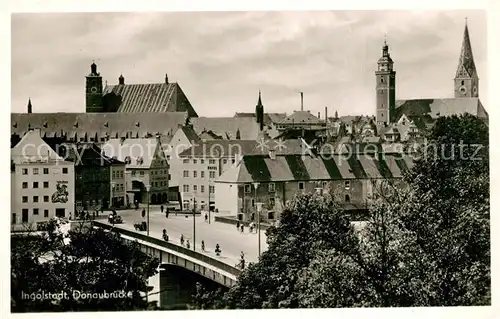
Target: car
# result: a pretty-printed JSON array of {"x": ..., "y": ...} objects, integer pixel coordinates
[{"x": 115, "y": 219}]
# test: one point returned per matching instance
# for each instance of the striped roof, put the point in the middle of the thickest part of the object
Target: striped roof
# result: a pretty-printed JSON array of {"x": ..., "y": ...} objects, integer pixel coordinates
[
  {"x": 155, "y": 98},
  {"x": 135, "y": 124},
  {"x": 305, "y": 168}
]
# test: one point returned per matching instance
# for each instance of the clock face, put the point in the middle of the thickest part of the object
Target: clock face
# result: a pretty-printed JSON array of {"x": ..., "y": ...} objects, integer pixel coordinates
[{"x": 93, "y": 89}]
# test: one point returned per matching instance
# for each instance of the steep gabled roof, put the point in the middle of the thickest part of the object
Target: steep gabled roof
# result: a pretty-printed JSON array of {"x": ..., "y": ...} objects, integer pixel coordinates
[
  {"x": 33, "y": 148},
  {"x": 156, "y": 98},
  {"x": 301, "y": 117},
  {"x": 304, "y": 168},
  {"x": 466, "y": 66}
]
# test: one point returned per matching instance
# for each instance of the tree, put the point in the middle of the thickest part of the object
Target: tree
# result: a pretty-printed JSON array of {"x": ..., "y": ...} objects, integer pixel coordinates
[
  {"x": 86, "y": 260},
  {"x": 426, "y": 242}
]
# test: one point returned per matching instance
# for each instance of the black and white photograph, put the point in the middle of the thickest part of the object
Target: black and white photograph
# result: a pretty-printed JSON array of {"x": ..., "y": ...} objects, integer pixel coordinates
[{"x": 211, "y": 160}]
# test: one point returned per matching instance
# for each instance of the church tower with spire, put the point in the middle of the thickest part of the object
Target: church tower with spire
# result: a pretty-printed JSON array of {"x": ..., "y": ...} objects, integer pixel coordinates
[
  {"x": 466, "y": 78},
  {"x": 386, "y": 88},
  {"x": 259, "y": 113}
]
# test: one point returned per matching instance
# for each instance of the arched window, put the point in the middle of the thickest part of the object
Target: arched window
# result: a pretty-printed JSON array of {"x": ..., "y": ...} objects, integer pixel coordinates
[
  {"x": 347, "y": 198},
  {"x": 463, "y": 82}
]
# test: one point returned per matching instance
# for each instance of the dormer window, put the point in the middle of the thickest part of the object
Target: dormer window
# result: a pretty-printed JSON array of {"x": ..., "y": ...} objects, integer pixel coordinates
[
  {"x": 272, "y": 154},
  {"x": 76, "y": 124},
  {"x": 127, "y": 160},
  {"x": 45, "y": 124},
  {"x": 106, "y": 124},
  {"x": 14, "y": 125},
  {"x": 137, "y": 124},
  {"x": 140, "y": 161}
]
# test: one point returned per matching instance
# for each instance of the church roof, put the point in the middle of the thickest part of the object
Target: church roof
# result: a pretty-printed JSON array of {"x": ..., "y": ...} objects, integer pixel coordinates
[
  {"x": 269, "y": 118},
  {"x": 156, "y": 97},
  {"x": 466, "y": 66},
  {"x": 112, "y": 123},
  {"x": 435, "y": 108}
]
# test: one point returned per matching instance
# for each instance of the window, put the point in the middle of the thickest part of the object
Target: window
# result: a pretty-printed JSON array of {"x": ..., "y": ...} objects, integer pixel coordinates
[
  {"x": 202, "y": 188},
  {"x": 232, "y": 161},
  {"x": 185, "y": 161},
  {"x": 271, "y": 188},
  {"x": 224, "y": 161},
  {"x": 113, "y": 175},
  {"x": 212, "y": 174},
  {"x": 35, "y": 211},
  {"x": 301, "y": 185},
  {"x": 195, "y": 174},
  {"x": 45, "y": 199},
  {"x": 195, "y": 161},
  {"x": 253, "y": 202},
  {"x": 45, "y": 171},
  {"x": 25, "y": 184},
  {"x": 185, "y": 188},
  {"x": 45, "y": 213},
  {"x": 25, "y": 199},
  {"x": 347, "y": 198},
  {"x": 325, "y": 184},
  {"x": 347, "y": 184},
  {"x": 133, "y": 173},
  {"x": 211, "y": 189},
  {"x": 25, "y": 171},
  {"x": 121, "y": 174},
  {"x": 463, "y": 82},
  {"x": 35, "y": 199},
  {"x": 65, "y": 170},
  {"x": 202, "y": 174},
  {"x": 141, "y": 173},
  {"x": 381, "y": 80},
  {"x": 212, "y": 161},
  {"x": 202, "y": 161},
  {"x": 169, "y": 177},
  {"x": 35, "y": 184},
  {"x": 35, "y": 171},
  {"x": 195, "y": 188},
  {"x": 185, "y": 173},
  {"x": 45, "y": 184},
  {"x": 248, "y": 188},
  {"x": 272, "y": 202}
]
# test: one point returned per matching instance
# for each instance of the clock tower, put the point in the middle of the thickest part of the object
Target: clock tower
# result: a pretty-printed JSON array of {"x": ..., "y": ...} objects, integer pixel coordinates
[
  {"x": 386, "y": 88},
  {"x": 466, "y": 78},
  {"x": 93, "y": 91}
]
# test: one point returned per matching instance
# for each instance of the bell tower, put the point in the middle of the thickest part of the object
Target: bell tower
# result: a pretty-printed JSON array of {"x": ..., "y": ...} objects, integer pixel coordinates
[
  {"x": 93, "y": 91},
  {"x": 386, "y": 88},
  {"x": 466, "y": 78}
]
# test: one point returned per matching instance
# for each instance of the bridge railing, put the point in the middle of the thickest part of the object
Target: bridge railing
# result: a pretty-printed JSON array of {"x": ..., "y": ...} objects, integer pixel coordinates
[{"x": 183, "y": 250}]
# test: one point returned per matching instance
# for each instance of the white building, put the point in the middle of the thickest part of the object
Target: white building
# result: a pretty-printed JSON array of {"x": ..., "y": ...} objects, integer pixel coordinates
[{"x": 42, "y": 182}]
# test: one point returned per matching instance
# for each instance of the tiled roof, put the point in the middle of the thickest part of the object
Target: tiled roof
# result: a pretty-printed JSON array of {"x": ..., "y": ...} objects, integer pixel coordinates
[
  {"x": 305, "y": 168},
  {"x": 155, "y": 98},
  {"x": 70, "y": 152},
  {"x": 300, "y": 117},
  {"x": 226, "y": 127},
  {"x": 190, "y": 134},
  {"x": 33, "y": 148},
  {"x": 140, "y": 151},
  {"x": 221, "y": 148},
  {"x": 136, "y": 124},
  {"x": 466, "y": 65},
  {"x": 440, "y": 107},
  {"x": 269, "y": 118}
]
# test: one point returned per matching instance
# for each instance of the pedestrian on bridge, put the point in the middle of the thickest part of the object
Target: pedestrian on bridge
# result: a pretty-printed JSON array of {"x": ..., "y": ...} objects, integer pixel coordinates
[
  {"x": 161, "y": 208},
  {"x": 143, "y": 213},
  {"x": 187, "y": 244},
  {"x": 206, "y": 217},
  {"x": 238, "y": 225},
  {"x": 202, "y": 245},
  {"x": 182, "y": 240},
  {"x": 242, "y": 228}
]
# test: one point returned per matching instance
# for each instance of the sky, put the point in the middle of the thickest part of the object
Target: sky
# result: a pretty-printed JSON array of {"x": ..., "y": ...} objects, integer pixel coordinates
[{"x": 222, "y": 59}]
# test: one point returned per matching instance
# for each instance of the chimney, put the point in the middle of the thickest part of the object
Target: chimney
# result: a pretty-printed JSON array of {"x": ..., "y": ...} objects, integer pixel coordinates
[
  {"x": 166, "y": 78},
  {"x": 319, "y": 115},
  {"x": 326, "y": 113},
  {"x": 121, "y": 80},
  {"x": 272, "y": 154},
  {"x": 302, "y": 101},
  {"x": 30, "y": 108}
]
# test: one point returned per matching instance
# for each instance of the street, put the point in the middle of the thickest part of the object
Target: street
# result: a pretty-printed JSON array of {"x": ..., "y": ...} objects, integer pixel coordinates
[{"x": 231, "y": 241}]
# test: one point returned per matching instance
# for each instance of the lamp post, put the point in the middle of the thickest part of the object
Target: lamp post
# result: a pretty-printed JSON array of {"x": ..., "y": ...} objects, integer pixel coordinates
[
  {"x": 255, "y": 185},
  {"x": 148, "y": 187},
  {"x": 113, "y": 185},
  {"x": 259, "y": 209},
  {"x": 194, "y": 222}
]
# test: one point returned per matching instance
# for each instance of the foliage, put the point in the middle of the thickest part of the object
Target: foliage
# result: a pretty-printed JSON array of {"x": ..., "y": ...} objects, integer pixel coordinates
[
  {"x": 92, "y": 261},
  {"x": 426, "y": 242}
]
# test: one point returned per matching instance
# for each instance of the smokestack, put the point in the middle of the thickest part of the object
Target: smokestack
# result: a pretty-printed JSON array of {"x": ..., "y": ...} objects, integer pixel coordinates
[
  {"x": 326, "y": 113},
  {"x": 302, "y": 101}
]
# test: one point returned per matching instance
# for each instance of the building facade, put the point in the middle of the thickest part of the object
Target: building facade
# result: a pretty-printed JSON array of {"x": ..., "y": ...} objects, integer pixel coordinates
[
  {"x": 42, "y": 182},
  {"x": 118, "y": 193},
  {"x": 275, "y": 180}
]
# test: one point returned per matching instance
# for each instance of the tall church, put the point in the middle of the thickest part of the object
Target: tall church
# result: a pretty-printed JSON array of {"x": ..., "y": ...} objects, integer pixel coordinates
[{"x": 391, "y": 113}]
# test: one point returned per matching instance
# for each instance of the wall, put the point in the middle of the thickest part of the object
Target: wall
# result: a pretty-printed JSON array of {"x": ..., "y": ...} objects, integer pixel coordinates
[
  {"x": 117, "y": 173},
  {"x": 227, "y": 195},
  {"x": 46, "y": 209}
]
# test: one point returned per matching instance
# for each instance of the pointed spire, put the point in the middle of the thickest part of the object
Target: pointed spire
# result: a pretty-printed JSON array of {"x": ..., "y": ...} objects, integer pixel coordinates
[
  {"x": 121, "y": 80},
  {"x": 466, "y": 66},
  {"x": 30, "y": 107},
  {"x": 259, "y": 102}
]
